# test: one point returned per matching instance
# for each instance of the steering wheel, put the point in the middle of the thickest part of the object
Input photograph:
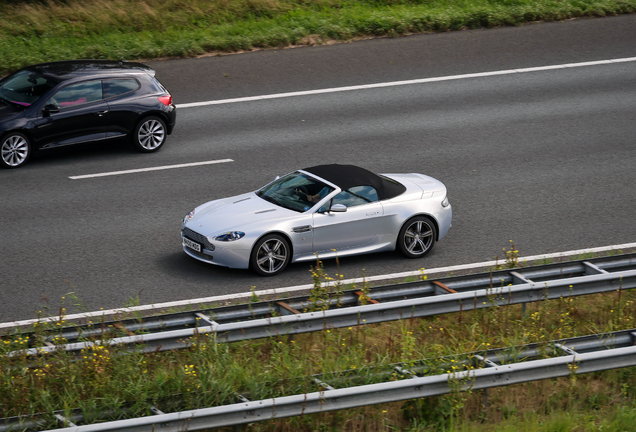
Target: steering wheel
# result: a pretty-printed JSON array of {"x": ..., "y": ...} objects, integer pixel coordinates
[{"x": 304, "y": 190}]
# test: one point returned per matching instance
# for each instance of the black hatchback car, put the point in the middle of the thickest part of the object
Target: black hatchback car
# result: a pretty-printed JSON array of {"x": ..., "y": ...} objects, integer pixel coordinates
[{"x": 70, "y": 102}]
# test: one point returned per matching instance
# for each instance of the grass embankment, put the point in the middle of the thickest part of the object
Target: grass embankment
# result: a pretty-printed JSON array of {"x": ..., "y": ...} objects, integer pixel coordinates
[
  {"x": 209, "y": 374},
  {"x": 33, "y": 31}
]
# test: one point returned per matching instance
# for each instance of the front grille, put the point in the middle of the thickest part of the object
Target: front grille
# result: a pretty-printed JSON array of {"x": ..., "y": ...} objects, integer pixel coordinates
[
  {"x": 202, "y": 255},
  {"x": 199, "y": 238}
]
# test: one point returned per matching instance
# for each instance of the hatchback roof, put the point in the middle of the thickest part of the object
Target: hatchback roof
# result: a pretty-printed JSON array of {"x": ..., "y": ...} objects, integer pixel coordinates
[{"x": 63, "y": 70}]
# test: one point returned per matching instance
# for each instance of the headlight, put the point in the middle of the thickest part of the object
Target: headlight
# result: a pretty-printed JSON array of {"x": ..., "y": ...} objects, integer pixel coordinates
[
  {"x": 445, "y": 203},
  {"x": 230, "y": 236},
  {"x": 188, "y": 216}
]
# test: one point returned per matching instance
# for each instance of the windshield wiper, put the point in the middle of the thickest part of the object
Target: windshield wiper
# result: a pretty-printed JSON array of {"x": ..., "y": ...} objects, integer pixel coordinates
[
  {"x": 10, "y": 103},
  {"x": 278, "y": 203}
]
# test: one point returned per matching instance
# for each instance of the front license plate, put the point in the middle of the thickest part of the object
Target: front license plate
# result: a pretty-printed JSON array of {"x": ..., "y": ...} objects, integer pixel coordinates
[{"x": 192, "y": 245}]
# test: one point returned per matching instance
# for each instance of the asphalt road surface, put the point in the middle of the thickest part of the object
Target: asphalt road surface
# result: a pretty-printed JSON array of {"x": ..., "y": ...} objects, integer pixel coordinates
[{"x": 544, "y": 158}]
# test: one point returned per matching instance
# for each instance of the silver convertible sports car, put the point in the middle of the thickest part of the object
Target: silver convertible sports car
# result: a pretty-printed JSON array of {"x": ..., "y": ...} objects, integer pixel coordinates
[{"x": 323, "y": 211}]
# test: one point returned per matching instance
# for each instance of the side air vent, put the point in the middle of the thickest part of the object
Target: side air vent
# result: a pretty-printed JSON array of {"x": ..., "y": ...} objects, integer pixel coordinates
[{"x": 301, "y": 229}]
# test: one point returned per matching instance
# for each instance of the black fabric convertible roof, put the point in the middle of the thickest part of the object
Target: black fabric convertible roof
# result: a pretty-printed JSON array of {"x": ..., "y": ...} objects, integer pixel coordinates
[{"x": 348, "y": 176}]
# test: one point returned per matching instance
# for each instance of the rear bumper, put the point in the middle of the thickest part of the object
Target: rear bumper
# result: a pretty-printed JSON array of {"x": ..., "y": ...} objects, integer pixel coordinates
[
  {"x": 444, "y": 220},
  {"x": 172, "y": 119}
]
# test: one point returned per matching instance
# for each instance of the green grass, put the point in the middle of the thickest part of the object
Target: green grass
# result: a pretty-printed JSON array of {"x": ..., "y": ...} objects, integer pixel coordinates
[{"x": 37, "y": 31}]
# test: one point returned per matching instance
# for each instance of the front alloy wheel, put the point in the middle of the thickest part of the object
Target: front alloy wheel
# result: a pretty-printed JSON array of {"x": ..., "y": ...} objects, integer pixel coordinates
[
  {"x": 417, "y": 237},
  {"x": 15, "y": 150},
  {"x": 150, "y": 134},
  {"x": 270, "y": 255}
]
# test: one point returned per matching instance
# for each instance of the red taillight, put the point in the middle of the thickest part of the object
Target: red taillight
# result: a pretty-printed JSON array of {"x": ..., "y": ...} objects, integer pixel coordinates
[{"x": 166, "y": 100}]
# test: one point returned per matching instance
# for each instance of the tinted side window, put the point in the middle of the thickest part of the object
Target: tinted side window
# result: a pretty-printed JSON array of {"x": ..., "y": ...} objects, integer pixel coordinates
[
  {"x": 355, "y": 196},
  {"x": 116, "y": 87},
  {"x": 77, "y": 94}
]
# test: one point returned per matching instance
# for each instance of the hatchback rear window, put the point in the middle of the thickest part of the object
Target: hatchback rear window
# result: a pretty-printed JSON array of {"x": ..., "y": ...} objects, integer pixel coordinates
[{"x": 119, "y": 86}]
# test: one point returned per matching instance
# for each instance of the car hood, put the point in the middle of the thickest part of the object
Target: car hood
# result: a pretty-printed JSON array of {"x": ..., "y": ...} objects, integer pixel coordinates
[
  {"x": 235, "y": 213},
  {"x": 7, "y": 111}
]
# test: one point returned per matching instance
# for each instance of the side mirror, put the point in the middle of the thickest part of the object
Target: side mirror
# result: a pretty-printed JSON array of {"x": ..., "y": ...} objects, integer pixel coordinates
[
  {"x": 277, "y": 177},
  {"x": 338, "y": 208},
  {"x": 51, "y": 108}
]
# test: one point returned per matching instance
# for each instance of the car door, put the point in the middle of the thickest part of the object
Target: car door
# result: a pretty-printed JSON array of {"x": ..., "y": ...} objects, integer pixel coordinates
[
  {"x": 357, "y": 227},
  {"x": 74, "y": 114},
  {"x": 124, "y": 105}
]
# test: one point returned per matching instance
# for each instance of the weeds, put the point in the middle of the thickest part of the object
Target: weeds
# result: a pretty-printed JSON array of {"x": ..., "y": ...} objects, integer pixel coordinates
[
  {"x": 325, "y": 291},
  {"x": 365, "y": 290},
  {"x": 319, "y": 298},
  {"x": 512, "y": 258}
]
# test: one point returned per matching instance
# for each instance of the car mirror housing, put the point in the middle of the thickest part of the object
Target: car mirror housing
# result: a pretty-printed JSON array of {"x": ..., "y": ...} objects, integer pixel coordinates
[
  {"x": 51, "y": 108},
  {"x": 338, "y": 208}
]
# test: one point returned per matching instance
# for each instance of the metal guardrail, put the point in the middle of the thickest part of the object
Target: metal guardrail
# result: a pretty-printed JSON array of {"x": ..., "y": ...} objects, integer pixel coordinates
[
  {"x": 494, "y": 368},
  {"x": 394, "y": 302}
]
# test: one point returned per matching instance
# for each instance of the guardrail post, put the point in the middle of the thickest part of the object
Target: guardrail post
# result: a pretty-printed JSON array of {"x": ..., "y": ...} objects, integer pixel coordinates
[
  {"x": 241, "y": 397},
  {"x": 323, "y": 384},
  {"x": 592, "y": 269},
  {"x": 487, "y": 363},
  {"x": 65, "y": 422},
  {"x": 518, "y": 278},
  {"x": 405, "y": 372},
  {"x": 155, "y": 410}
]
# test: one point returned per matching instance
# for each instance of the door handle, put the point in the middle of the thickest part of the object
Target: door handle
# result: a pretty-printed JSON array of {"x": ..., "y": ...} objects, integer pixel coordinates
[{"x": 101, "y": 113}]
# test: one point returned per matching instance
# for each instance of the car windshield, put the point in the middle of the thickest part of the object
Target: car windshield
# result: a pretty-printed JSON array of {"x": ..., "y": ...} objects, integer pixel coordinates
[
  {"x": 291, "y": 191},
  {"x": 24, "y": 88}
]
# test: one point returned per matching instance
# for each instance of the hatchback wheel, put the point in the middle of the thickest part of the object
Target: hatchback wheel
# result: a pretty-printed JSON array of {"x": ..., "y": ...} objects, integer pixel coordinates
[
  {"x": 417, "y": 237},
  {"x": 270, "y": 255},
  {"x": 14, "y": 150},
  {"x": 150, "y": 134}
]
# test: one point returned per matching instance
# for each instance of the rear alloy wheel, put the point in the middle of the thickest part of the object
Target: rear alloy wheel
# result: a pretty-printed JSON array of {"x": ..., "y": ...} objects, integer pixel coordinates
[
  {"x": 150, "y": 134},
  {"x": 270, "y": 255},
  {"x": 417, "y": 237},
  {"x": 15, "y": 149}
]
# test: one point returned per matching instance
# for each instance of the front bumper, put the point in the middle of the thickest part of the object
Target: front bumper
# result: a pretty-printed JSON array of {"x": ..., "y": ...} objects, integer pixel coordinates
[{"x": 225, "y": 254}]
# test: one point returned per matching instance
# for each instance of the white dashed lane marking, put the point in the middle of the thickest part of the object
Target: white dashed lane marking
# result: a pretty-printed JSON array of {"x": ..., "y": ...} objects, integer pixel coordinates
[{"x": 158, "y": 168}]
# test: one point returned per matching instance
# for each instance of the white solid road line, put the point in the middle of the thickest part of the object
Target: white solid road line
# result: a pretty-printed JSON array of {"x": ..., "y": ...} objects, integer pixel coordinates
[
  {"x": 207, "y": 300},
  {"x": 409, "y": 82},
  {"x": 165, "y": 167},
  {"x": 350, "y": 88}
]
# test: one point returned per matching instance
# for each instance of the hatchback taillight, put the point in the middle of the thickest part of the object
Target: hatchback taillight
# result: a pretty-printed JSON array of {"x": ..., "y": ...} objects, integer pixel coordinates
[{"x": 166, "y": 100}]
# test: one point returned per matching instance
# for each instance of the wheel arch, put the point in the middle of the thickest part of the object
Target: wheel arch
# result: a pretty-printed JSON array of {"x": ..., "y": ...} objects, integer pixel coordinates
[
  {"x": 158, "y": 113},
  {"x": 23, "y": 131},
  {"x": 427, "y": 215},
  {"x": 280, "y": 233}
]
